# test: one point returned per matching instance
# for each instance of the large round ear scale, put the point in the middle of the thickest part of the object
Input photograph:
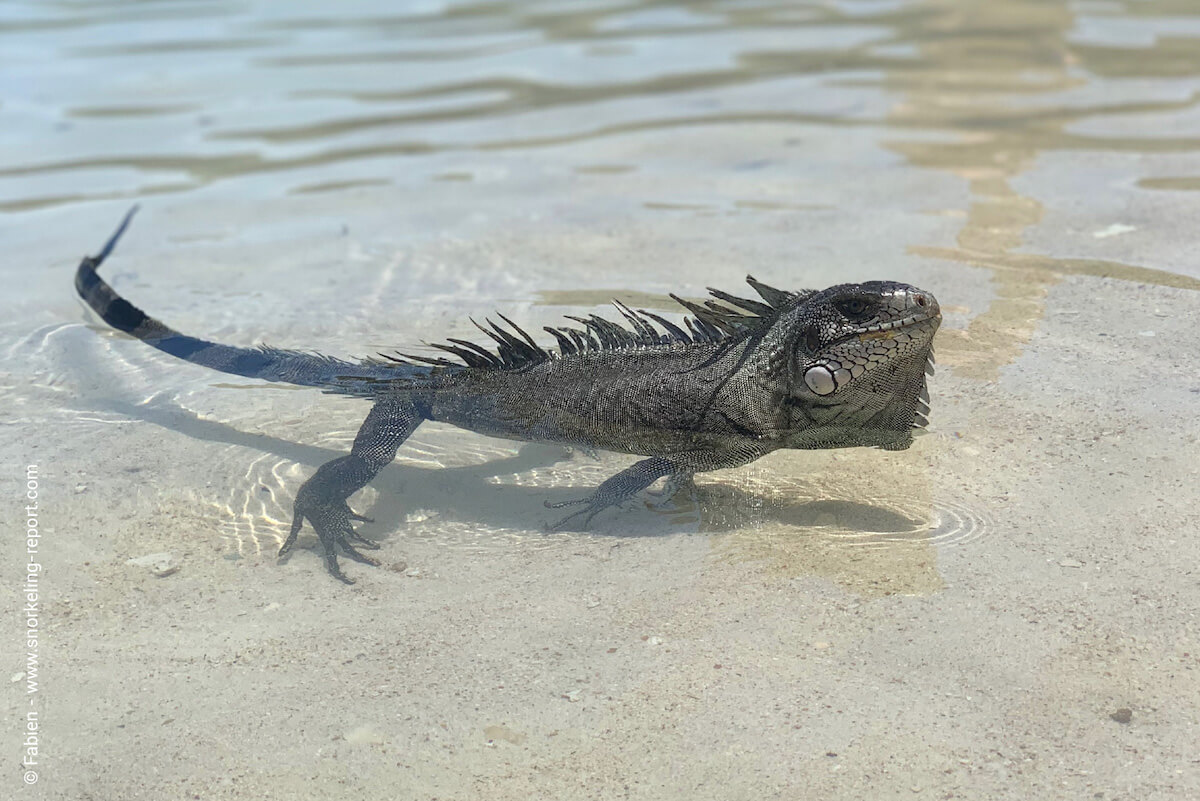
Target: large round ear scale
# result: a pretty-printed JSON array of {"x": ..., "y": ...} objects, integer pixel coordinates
[{"x": 820, "y": 380}]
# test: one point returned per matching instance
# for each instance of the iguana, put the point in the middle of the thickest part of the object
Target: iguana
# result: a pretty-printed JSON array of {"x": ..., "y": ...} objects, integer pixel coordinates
[{"x": 738, "y": 379}]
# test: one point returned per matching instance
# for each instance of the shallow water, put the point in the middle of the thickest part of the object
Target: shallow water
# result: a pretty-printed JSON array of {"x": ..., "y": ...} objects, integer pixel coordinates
[{"x": 365, "y": 176}]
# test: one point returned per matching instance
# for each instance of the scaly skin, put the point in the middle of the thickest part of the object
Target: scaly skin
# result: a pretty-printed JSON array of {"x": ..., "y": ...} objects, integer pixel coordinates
[{"x": 842, "y": 367}]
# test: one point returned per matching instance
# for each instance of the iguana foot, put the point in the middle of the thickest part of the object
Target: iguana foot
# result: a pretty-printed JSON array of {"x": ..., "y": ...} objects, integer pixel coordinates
[
  {"x": 330, "y": 518},
  {"x": 595, "y": 505},
  {"x": 619, "y": 488}
]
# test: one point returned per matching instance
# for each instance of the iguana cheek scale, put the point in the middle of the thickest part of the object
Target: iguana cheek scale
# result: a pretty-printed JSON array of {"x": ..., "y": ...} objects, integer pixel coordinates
[{"x": 739, "y": 378}]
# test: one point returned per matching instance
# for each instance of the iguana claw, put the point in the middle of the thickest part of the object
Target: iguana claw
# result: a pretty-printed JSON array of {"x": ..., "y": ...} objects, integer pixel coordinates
[{"x": 330, "y": 517}]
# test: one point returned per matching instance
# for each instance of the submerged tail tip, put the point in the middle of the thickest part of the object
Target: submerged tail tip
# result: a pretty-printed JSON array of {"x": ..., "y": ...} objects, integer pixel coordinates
[{"x": 111, "y": 307}]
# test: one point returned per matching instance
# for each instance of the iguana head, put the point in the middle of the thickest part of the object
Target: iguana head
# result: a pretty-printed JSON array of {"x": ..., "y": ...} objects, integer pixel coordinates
[{"x": 856, "y": 357}]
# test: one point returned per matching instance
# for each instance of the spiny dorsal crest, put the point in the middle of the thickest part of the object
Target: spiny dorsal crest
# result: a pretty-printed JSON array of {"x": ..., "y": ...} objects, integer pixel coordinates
[{"x": 711, "y": 322}]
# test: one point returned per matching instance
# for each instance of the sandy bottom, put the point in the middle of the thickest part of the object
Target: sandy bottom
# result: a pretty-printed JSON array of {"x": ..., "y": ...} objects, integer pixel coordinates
[{"x": 1006, "y": 610}]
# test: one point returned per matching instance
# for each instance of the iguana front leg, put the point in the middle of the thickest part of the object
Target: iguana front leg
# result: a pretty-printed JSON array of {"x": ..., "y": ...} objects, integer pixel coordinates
[
  {"x": 680, "y": 468},
  {"x": 322, "y": 499},
  {"x": 623, "y": 486}
]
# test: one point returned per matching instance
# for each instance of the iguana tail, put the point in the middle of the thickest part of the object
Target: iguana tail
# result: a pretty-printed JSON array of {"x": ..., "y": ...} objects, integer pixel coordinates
[{"x": 267, "y": 363}]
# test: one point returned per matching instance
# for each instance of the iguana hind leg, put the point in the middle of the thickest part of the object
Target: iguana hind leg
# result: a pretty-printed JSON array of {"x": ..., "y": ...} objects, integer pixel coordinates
[
  {"x": 621, "y": 487},
  {"x": 322, "y": 499}
]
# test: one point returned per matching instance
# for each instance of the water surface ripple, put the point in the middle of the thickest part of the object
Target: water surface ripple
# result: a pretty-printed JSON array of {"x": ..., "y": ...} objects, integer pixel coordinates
[{"x": 139, "y": 98}]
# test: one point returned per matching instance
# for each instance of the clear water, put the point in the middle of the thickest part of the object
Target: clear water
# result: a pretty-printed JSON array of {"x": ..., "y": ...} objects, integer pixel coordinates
[{"x": 961, "y": 619}]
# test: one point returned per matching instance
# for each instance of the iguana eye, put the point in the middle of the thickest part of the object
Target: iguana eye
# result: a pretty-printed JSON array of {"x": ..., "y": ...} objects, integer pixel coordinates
[{"x": 852, "y": 307}]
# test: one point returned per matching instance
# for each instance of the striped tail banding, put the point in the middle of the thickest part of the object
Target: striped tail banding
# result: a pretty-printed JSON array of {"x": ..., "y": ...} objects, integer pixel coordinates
[{"x": 263, "y": 362}]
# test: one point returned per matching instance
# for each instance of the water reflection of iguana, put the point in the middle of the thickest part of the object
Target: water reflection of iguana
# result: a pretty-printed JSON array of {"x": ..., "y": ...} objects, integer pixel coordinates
[{"x": 841, "y": 367}]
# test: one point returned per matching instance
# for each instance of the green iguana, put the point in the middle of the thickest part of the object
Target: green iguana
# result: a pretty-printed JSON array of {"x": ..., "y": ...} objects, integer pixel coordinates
[{"x": 738, "y": 379}]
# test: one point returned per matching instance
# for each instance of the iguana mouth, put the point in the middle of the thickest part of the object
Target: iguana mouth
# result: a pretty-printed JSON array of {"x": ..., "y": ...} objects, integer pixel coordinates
[{"x": 888, "y": 330}]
